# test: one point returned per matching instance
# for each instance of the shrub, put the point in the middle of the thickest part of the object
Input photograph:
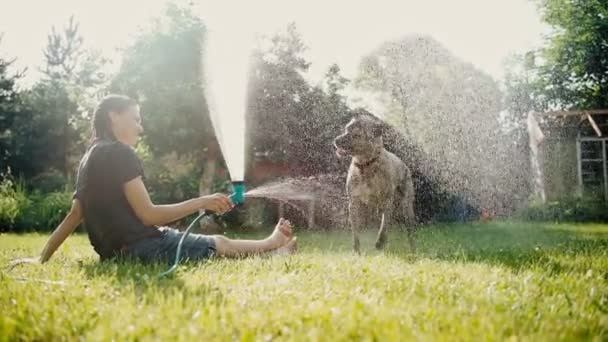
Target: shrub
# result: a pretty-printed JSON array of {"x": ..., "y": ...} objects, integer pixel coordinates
[
  {"x": 13, "y": 202},
  {"x": 23, "y": 210},
  {"x": 45, "y": 211},
  {"x": 568, "y": 209}
]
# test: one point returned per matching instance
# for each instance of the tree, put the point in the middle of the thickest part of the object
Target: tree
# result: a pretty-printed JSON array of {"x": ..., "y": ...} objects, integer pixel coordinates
[
  {"x": 522, "y": 93},
  {"x": 334, "y": 83},
  {"x": 52, "y": 135},
  {"x": 163, "y": 69},
  {"x": 303, "y": 120},
  {"x": 450, "y": 110},
  {"x": 574, "y": 68},
  {"x": 276, "y": 89},
  {"x": 11, "y": 109},
  {"x": 571, "y": 70}
]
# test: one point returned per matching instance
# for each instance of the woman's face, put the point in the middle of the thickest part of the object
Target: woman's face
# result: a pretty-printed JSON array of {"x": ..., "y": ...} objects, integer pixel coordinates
[{"x": 127, "y": 125}]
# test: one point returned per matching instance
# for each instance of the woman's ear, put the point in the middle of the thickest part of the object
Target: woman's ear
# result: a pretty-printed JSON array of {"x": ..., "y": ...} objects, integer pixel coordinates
[
  {"x": 113, "y": 116},
  {"x": 113, "y": 122}
]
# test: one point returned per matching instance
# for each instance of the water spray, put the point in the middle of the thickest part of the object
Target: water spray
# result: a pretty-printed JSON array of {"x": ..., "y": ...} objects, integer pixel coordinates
[{"x": 226, "y": 65}]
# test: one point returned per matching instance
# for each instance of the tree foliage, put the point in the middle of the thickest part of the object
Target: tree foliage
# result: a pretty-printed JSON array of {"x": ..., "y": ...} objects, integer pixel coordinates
[
  {"x": 570, "y": 71},
  {"x": 11, "y": 111},
  {"x": 162, "y": 69},
  {"x": 50, "y": 132},
  {"x": 450, "y": 110},
  {"x": 289, "y": 119}
]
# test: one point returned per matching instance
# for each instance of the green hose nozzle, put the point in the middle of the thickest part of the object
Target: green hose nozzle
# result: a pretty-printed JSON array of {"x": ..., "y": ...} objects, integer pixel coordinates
[{"x": 238, "y": 194}]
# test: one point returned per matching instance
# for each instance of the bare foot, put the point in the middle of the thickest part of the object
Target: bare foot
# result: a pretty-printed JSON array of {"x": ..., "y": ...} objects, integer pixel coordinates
[
  {"x": 282, "y": 234},
  {"x": 290, "y": 248}
]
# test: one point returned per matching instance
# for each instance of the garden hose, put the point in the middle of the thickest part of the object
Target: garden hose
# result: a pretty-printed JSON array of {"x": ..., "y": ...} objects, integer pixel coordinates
[
  {"x": 237, "y": 197},
  {"x": 179, "y": 245}
]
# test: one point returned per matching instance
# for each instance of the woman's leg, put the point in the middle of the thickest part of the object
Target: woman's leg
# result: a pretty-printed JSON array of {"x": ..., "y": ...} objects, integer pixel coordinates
[{"x": 281, "y": 240}]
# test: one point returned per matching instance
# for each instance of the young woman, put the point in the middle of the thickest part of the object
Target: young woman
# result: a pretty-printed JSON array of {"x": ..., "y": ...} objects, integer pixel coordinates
[{"x": 120, "y": 218}]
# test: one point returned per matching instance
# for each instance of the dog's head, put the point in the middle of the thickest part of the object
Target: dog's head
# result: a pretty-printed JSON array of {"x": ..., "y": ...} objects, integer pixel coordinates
[{"x": 362, "y": 137}]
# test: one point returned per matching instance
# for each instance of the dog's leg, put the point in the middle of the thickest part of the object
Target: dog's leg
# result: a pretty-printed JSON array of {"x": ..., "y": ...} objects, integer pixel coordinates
[
  {"x": 407, "y": 205},
  {"x": 355, "y": 218},
  {"x": 385, "y": 220},
  {"x": 381, "y": 238},
  {"x": 411, "y": 225}
]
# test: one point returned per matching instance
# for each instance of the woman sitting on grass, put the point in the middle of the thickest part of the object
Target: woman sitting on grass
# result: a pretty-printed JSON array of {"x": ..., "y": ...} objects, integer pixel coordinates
[{"x": 120, "y": 218}]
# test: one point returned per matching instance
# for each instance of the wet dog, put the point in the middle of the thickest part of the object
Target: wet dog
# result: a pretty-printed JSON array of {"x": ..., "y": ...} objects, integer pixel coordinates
[{"x": 379, "y": 185}]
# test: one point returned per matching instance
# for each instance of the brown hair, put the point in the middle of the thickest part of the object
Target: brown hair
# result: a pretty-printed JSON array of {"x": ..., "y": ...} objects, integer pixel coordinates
[{"x": 101, "y": 124}]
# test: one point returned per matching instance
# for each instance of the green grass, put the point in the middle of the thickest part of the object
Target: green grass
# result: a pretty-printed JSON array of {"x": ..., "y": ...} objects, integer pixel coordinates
[{"x": 497, "y": 281}]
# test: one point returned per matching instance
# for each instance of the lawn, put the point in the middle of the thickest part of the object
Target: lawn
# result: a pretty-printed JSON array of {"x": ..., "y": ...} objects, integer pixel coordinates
[{"x": 527, "y": 281}]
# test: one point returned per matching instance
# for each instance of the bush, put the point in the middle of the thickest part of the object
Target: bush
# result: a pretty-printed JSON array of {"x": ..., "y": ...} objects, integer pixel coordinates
[
  {"x": 49, "y": 181},
  {"x": 570, "y": 209},
  {"x": 45, "y": 211},
  {"x": 170, "y": 178},
  {"x": 21, "y": 210},
  {"x": 453, "y": 208},
  {"x": 13, "y": 202}
]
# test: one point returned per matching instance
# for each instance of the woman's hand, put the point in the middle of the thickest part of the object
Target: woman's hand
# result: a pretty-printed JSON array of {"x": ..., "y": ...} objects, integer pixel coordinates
[{"x": 218, "y": 203}]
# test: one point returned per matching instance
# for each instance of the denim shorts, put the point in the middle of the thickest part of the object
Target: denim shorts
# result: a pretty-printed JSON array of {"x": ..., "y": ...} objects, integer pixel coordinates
[{"x": 195, "y": 247}]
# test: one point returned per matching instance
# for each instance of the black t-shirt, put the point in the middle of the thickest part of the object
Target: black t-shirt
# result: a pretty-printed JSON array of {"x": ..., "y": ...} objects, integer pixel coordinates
[{"x": 109, "y": 219}]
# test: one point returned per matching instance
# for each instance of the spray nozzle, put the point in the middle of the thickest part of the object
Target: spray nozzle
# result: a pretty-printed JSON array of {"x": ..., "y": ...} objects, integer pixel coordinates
[{"x": 238, "y": 194}]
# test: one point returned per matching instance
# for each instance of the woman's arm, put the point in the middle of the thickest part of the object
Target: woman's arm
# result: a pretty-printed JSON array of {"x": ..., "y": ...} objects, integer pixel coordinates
[
  {"x": 65, "y": 228},
  {"x": 152, "y": 214}
]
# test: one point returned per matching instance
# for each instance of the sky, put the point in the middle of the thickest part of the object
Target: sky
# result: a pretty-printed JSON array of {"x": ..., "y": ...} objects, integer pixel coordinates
[{"x": 483, "y": 32}]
